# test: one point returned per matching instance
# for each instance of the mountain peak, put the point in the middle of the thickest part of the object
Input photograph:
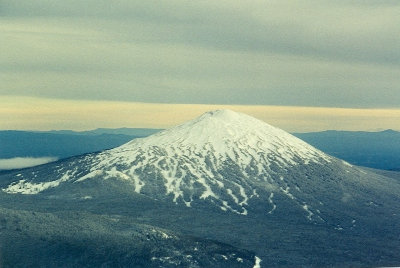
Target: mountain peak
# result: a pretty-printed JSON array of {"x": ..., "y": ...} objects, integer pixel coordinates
[
  {"x": 220, "y": 156},
  {"x": 223, "y": 114},
  {"x": 224, "y": 132},
  {"x": 218, "y": 112}
]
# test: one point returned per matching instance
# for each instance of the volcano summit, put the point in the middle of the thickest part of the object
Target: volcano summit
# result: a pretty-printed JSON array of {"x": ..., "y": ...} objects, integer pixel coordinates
[{"x": 244, "y": 182}]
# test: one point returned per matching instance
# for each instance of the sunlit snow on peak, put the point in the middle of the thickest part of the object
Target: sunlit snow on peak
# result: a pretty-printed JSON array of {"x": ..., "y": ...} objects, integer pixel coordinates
[{"x": 226, "y": 132}]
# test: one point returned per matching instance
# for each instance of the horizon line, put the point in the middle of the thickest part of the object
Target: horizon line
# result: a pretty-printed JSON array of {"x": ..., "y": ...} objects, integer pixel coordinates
[{"x": 33, "y": 113}]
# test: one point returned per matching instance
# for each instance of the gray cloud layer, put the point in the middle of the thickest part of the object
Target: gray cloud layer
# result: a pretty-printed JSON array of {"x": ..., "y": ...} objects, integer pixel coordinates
[{"x": 318, "y": 53}]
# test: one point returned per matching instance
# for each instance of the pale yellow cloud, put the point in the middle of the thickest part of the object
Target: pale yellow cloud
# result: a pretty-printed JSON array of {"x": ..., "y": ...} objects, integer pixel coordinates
[{"x": 45, "y": 114}]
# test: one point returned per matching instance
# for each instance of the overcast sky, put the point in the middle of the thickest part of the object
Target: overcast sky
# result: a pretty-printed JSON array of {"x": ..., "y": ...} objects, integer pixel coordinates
[{"x": 334, "y": 53}]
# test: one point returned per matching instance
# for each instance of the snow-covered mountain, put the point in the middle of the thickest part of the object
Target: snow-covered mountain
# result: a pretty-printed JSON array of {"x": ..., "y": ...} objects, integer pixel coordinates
[
  {"x": 229, "y": 171},
  {"x": 225, "y": 158}
]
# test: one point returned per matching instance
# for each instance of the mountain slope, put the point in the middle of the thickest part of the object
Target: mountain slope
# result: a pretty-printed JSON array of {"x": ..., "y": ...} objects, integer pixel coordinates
[
  {"x": 34, "y": 239},
  {"x": 190, "y": 161},
  {"x": 259, "y": 187}
]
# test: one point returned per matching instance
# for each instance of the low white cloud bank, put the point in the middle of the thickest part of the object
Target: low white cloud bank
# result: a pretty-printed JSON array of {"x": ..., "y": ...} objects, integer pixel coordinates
[{"x": 24, "y": 162}]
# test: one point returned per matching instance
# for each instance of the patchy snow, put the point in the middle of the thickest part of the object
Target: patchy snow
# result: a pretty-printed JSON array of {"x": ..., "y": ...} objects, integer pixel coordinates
[
  {"x": 339, "y": 228},
  {"x": 114, "y": 173},
  {"x": 233, "y": 196},
  {"x": 165, "y": 236},
  {"x": 272, "y": 203},
  {"x": 162, "y": 234},
  {"x": 257, "y": 262},
  {"x": 347, "y": 164},
  {"x": 26, "y": 187},
  {"x": 90, "y": 175},
  {"x": 225, "y": 206},
  {"x": 307, "y": 209},
  {"x": 243, "y": 194},
  {"x": 287, "y": 192},
  {"x": 362, "y": 171}
]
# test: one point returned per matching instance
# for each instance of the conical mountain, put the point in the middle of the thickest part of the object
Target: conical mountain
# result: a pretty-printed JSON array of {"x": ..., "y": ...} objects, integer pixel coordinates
[
  {"x": 234, "y": 170},
  {"x": 225, "y": 158}
]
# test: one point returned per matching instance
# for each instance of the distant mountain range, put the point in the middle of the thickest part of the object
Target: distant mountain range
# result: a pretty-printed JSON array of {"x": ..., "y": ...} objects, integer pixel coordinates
[
  {"x": 65, "y": 143},
  {"x": 221, "y": 190},
  {"x": 135, "y": 132},
  {"x": 370, "y": 149},
  {"x": 379, "y": 150}
]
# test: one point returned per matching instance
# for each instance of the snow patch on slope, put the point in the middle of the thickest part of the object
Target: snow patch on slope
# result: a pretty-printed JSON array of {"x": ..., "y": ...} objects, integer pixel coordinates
[
  {"x": 26, "y": 187},
  {"x": 257, "y": 262},
  {"x": 270, "y": 200}
]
